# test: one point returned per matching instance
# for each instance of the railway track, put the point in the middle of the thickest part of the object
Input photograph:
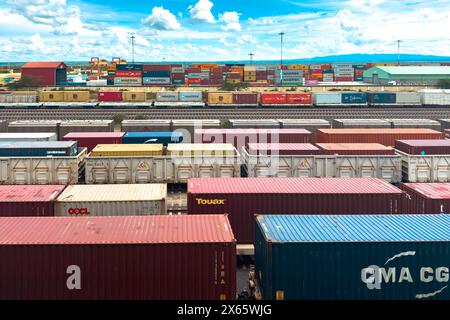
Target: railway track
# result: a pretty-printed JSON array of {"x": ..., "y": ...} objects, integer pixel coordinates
[{"x": 332, "y": 113}]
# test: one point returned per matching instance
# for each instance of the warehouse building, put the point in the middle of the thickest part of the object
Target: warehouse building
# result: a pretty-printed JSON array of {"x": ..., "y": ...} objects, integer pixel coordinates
[
  {"x": 423, "y": 75},
  {"x": 47, "y": 73}
]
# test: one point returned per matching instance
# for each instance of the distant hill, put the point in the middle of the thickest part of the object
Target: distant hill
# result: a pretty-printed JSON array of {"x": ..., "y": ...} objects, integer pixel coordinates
[{"x": 355, "y": 58}]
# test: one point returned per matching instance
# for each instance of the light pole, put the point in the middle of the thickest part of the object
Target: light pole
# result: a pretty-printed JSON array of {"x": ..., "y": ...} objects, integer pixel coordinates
[
  {"x": 132, "y": 47},
  {"x": 251, "y": 58},
  {"x": 398, "y": 52},
  {"x": 281, "y": 34}
]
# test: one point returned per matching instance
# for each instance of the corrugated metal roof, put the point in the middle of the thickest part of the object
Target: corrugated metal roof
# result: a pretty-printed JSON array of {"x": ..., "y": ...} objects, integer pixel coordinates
[
  {"x": 283, "y": 146},
  {"x": 431, "y": 190},
  {"x": 353, "y": 146},
  {"x": 251, "y": 131},
  {"x": 53, "y": 65},
  {"x": 76, "y": 135},
  {"x": 29, "y": 193},
  {"x": 113, "y": 192},
  {"x": 291, "y": 185},
  {"x": 426, "y": 143},
  {"x": 115, "y": 230},
  {"x": 417, "y": 70},
  {"x": 378, "y": 131},
  {"x": 355, "y": 228}
]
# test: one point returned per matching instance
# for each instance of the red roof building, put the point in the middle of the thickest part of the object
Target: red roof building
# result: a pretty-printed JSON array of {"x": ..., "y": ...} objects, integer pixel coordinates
[{"x": 47, "y": 73}]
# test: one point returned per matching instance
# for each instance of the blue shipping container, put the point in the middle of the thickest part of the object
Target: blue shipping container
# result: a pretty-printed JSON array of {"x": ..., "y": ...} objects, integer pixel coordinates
[
  {"x": 38, "y": 149},
  {"x": 129, "y": 67},
  {"x": 191, "y": 96},
  {"x": 381, "y": 97},
  {"x": 357, "y": 257},
  {"x": 354, "y": 97},
  {"x": 178, "y": 81},
  {"x": 156, "y": 74},
  {"x": 152, "y": 137}
]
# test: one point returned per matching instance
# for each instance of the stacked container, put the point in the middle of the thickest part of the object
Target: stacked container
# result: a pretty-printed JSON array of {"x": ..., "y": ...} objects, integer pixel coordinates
[
  {"x": 128, "y": 78},
  {"x": 146, "y": 125},
  {"x": 35, "y": 136},
  {"x": 156, "y": 75},
  {"x": 415, "y": 123},
  {"x": 85, "y": 126},
  {"x": 309, "y": 124},
  {"x": 188, "y": 127},
  {"x": 361, "y": 123},
  {"x": 34, "y": 126},
  {"x": 90, "y": 140},
  {"x": 426, "y": 198}
]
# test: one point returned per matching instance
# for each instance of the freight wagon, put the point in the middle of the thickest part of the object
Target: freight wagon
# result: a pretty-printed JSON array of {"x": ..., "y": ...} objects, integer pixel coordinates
[
  {"x": 140, "y": 258},
  {"x": 310, "y": 257}
]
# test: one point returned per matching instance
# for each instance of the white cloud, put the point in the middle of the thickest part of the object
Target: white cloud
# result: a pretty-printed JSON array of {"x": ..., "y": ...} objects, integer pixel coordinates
[
  {"x": 247, "y": 39},
  {"x": 231, "y": 21},
  {"x": 202, "y": 11},
  {"x": 162, "y": 19},
  {"x": 262, "y": 21}
]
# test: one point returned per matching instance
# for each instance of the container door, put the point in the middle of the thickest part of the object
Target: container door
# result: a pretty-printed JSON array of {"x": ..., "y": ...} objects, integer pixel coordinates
[
  {"x": 142, "y": 171},
  {"x": 121, "y": 173},
  {"x": 21, "y": 173},
  {"x": 41, "y": 172},
  {"x": 302, "y": 167},
  {"x": 162, "y": 169},
  {"x": 4, "y": 171},
  {"x": 345, "y": 167},
  {"x": 206, "y": 171},
  {"x": 366, "y": 167},
  {"x": 97, "y": 172},
  {"x": 423, "y": 169},
  {"x": 442, "y": 169}
]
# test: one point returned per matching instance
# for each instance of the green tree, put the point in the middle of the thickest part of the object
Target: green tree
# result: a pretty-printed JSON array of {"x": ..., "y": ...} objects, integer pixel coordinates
[
  {"x": 225, "y": 124},
  {"x": 141, "y": 117},
  {"x": 24, "y": 82},
  {"x": 118, "y": 118},
  {"x": 227, "y": 86}
]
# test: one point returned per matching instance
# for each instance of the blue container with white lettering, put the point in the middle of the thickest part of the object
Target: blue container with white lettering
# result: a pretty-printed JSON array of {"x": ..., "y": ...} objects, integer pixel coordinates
[
  {"x": 353, "y": 257},
  {"x": 38, "y": 149},
  {"x": 152, "y": 137}
]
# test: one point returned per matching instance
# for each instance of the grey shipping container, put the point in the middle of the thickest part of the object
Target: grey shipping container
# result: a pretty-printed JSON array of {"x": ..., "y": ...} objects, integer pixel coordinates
[
  {"x": 28, "y": 136},
  {"x": 408, "y": 98},
  {"x": 255, "y": 124},
  {"x": 167, "y": 96},
  {"x": 34, "y": 126},
  {"x": 359, "y": 257},
  {"x": 415, "y": 123},
  {"x": 3, "y": 126},
  {"x": 327, "y": 98},
  {"x": 309, "y": 124},
  {"x": 445, "y": 124},
  {"x": 38, "y": 148},
  {"x": 85, "y": 126},
  {"x": 361, "y": 123},
  {"x": 187, "y": 127},
  {"x": 146, "y": 125}
]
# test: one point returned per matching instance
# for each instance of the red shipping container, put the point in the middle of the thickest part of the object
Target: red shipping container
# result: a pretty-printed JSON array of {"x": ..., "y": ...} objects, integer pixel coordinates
[
  {"x": 245, "y": 98},
  {"x": 177, "y": 75},
  {"x": 299, "y": 98},
  {"x": 193, "y": 70},
  {"x": 282, "y": 149},
  {"x": 193, "y": 81},
  {"x": 426, "y": 198},
  {"x": 343, "y": 78},
  {"x": 128, "y": 74},
  {"x": 423, "y": 147},
  {"x": 355, "y": 149},
  {"x": 157, "y": 67},
  {"x": 243, "y": 198},
  {"x": 126, "y": 258},
  {"x": 28, "y": 200},
  {"x": 204, "y": 82},
  {"x": 385, "y": 137},
  {"x": 273, "y": 98},
  {"x": 90, "y": 140},
  {"x": 110, "y": 96}
]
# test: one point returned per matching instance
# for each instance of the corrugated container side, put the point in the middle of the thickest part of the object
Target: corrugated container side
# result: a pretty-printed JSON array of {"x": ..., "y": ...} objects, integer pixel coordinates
[
  {"x": 146, "y": 125},
  {"x": 127, "y": 150},
  {"x": 90, "y": 140},
  {"x": 426, "y": 198}
]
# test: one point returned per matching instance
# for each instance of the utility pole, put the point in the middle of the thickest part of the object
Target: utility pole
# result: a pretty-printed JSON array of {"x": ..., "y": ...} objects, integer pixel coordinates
[
  {"x": 132, "y": 47},
  {"x": 251, "y": 58},
  {"x": 281, "y": 34},
  {"x": 398, "y": 52}
]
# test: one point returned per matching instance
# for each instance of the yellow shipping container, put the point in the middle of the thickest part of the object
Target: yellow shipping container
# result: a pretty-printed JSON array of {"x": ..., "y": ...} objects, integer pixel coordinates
[
  {"x": 220, "y": 97},
  {"x": 133, "y": 96},
  {"x": 76, "y": 96},
  {"x": 250, "y": 73},
  {"x": 201, "y": 149},
  {"x": 51, "y": 96},
  {"x": 127, "y": 150}
]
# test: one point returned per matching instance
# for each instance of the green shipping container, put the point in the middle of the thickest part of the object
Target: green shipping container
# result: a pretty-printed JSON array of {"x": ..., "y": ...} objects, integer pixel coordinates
[{"x": 353, "y": 257}]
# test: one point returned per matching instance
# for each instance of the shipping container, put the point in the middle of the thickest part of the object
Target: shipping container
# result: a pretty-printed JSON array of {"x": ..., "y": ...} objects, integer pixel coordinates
[
  {"x": 129, "y": 67},
  {"x": 156, "y": 67},
  {"x": 426, "y": 198},
  {"x": 327, "y": 98},
  {"x": 282, "y": 149},
  {"x": 150, "y": 137},
  {"x": 140, "y": 258},
  {"x": 133, "y": 96},
  {"x": 28, "y": 200},
  {"x": 156, "y": 81},
  {"x": 385, "y": 137},
  {"x": 85, "y": 126},
  {"x": 110, "y": 96},
  {"x": 128, "y": 81},
  {"x": 242, "y": 198},
  {"x": 245, "y": 98},
  {"x": 156, "y": 74},
  {"x": 254, "y": 124},
  {"x": 408, "y": 98},
  {"x": 42, "y": 170},
  {"x": 299, "y": 98},
  {"x": 20, "y": 97},
  {"x": 425, "y": 168},
  {"x": 38, "y": 148},
  {"x": 273, "y": 98},
  {"x": 90, "y": 140},
  {"x": 354, "y": 97},
  {"x": 34, "y": 126},
  {"x": 112, "y": 200},
  {"x": 3, "y": 126},
  {"x": 167, "y": 96},
  {"x": 357, "y": 257},
  {"x": 191, "y": 96},
  {"x": 355, "y": 149},
  {"x": 424, "y": 147},
  {"x": 146, "y": 125},
  {"x": 51, "y": 96},
  {"x": 127, "y": 150},
  {"x": 309, "y": 124},
  {"x": 415, "y": 123},
  {"x": 34, "y": 136},
  {"x": 188, "y": 127},
  {"x": 128, "y": 74},
  {"x": 435, "y": 97},
  {"x": 201, "y": 150},
  {"x": 360, "y": 123},
  {"x": 445, "y": 124},
  {"x": 77, "y": 96},
  {"x": 375, "y": 98},
  {"x": 220, "y": 98}
]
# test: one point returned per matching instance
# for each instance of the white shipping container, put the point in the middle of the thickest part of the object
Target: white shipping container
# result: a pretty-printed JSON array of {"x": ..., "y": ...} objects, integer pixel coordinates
[
  {"x": 42, "y": 170},
  {"x": 127, "y": 81},
  {"x": 327, "y": 98},
  {"x": 255, "y": 124},
  {"x": 28, "y": 136},
  {"x": 167, "y": 96},
  {"x": 341, "y": 65},
  {"x": 409, "y": 98},
  {"x": 97, "y": 83},
  {"x": 19, "y": 98},
  {"x": 435, "y": 97},
  {"x": 425, "y": 168},
  {"x": 112, "y": 200},
  {"x": 387, "y": 167},
  {"x": 147, "y": 80},
  {"x": 177, "y": 69}
]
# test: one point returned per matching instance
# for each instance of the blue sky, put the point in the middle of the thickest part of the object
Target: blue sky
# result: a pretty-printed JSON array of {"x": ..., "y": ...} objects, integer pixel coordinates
[{"x": 211, "y": 30}]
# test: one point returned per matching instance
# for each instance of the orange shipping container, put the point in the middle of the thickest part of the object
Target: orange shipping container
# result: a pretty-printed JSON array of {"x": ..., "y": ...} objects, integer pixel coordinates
[{"x": 385, "y": 137}]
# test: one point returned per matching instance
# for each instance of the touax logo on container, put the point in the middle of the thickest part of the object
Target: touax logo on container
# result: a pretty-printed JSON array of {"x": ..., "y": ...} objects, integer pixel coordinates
[
  {"x": 374, "y": 276},
  {"x": 210, "y": 201}
]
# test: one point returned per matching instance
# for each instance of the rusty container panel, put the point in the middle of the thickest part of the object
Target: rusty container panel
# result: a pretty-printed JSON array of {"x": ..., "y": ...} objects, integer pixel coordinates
[
  {"x": 426, "y": 198},
  {"x": 112, "y": 258},
  {"x": 242, "y": 198},
  {"x": 355, "y": 149},
  {"x": 28, "y": 200},
  {"x": 247, "y": 98},
  {"x": 385, "y": 137}
]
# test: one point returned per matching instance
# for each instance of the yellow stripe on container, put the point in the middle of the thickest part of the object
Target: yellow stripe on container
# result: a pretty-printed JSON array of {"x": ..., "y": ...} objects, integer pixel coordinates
[{"x": 127, "y": 150}]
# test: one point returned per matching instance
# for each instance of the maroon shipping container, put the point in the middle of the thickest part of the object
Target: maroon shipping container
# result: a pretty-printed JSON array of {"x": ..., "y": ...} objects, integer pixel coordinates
[
  {"x": 426, "y": 198},
  {"x": 423, "y": 146},
  {"x": 177, "y": 75},
  {"x": 110, "y": 96},
  {"x": 128, "y": 74},
  {"x": 385, "y": 137},
  {"x": 299, "y": 98},
  {"x": 343, "y": 79},
  {"x": 242, "y": 198},
  {"x": 245, "y": 98},
  {"x": 157, "y": 67},
  {"x": 28, "y": 200},
  {"x": 355, "y": 149},
  {"x": 273, "y": 98},
  {"x": 90, "y": 140},
  {"x": 126, "y": 258},
  {"x": 241, "y": 137},
  {"x": 193, "y": 70},
  {"x": 282, "y": 149}
]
